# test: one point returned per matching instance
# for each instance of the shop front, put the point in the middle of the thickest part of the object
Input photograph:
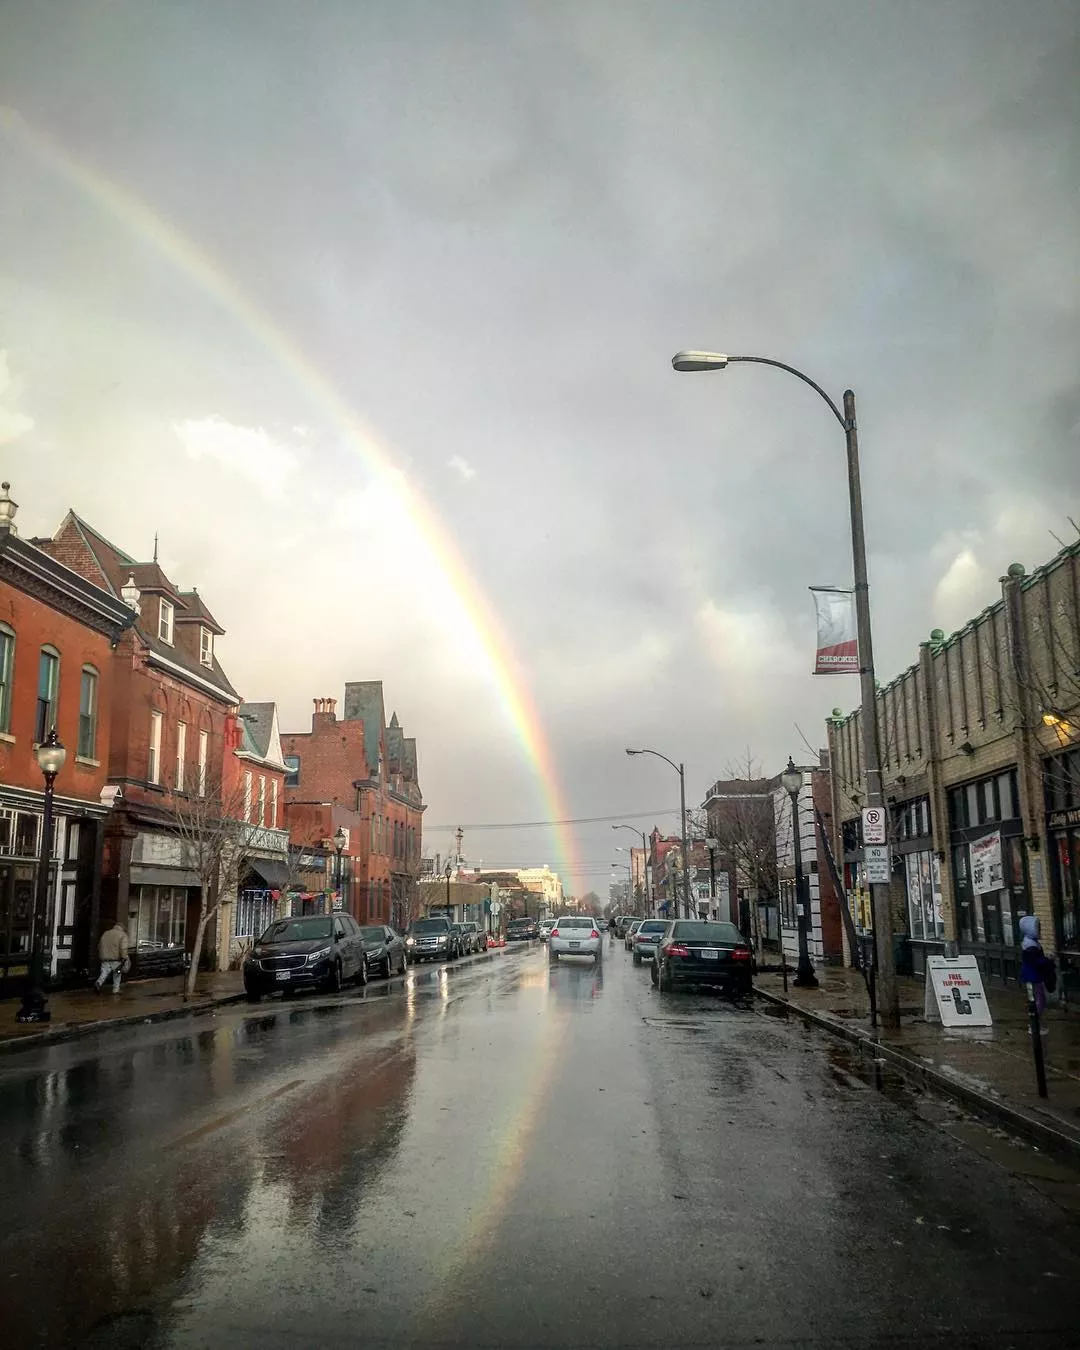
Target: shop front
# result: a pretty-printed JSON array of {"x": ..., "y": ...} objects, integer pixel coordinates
[
  {"x": 989, "y": 872},
  {"x": 163, "y": 900},
  {"x": 1062, "y": 778},
  {"x": 920, "y": 868}
]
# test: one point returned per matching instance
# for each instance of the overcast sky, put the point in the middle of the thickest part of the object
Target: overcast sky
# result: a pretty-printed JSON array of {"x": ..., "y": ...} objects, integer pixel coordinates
[{"x": 488, "y": 226}]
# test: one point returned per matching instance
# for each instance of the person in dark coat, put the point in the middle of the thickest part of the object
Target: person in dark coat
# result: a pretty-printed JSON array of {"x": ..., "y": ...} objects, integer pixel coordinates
[{"x": 1036, "y": 968}]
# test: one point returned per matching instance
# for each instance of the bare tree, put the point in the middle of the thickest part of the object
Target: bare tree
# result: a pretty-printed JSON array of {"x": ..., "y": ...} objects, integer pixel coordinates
[
  {"x": 213, "y": 834},
  {"x": 740, "y": 818}
]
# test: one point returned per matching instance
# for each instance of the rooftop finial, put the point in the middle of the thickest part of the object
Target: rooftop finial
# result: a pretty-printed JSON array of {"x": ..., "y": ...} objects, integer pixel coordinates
[
  {"x": 155, "y": 545},
  {"x": 7, "y": 509}
]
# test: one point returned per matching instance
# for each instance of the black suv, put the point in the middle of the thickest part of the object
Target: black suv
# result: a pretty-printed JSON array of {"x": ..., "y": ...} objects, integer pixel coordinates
[
  {"x": 308, "y": 951},
  {"x": 432, "y": 939},
  {"x": 520, "y": 930}
]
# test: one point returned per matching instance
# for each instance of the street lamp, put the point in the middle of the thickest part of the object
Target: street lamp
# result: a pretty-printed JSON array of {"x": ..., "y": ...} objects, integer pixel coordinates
[
  {"x": 449, "y": 908},
  {"x": 805, "y": 978},
  {"x": 340, "y": 840},
  {"x": 682, "y": 818},
  {"x": 644, "y": 864},
  {"x": 35, "y": 1008},
  {"x": 885, "y": 957}
]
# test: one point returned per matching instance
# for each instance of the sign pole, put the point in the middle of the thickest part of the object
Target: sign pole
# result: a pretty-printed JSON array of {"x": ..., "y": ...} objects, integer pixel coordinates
[{"x": 1036, "y": 1040}]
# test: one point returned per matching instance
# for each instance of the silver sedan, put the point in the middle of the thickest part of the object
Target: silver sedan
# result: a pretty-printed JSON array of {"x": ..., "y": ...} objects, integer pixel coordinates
[{"x": 575, "y": 936}]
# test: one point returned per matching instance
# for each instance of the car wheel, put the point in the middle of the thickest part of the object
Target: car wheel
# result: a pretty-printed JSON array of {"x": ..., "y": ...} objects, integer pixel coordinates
[
  {"x": 387, "y": 966},
  {"x": 663, "y": 981},
  {"x": 362, "y": 972},
  {"x": 253, "y": 995},
  {"x": 654, "y": 976},
  {"x": 637, "y": 958},
  {"x": 333, "y": 983}
]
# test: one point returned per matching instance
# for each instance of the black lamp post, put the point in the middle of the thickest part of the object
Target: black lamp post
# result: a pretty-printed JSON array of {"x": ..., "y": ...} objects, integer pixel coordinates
[
  {"x": 50, "y": 757},
  {"x": 340, "y": 840},
  {"x": 805, "y": 978},
  {"x": 449, "y": 907}
]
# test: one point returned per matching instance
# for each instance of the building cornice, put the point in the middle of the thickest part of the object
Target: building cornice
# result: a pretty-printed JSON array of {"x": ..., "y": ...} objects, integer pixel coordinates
[{"x": 39, "y": 575}]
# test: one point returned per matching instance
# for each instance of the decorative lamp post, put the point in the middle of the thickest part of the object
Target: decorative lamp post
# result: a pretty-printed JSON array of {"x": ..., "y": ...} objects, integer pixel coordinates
[
  {"x": 340, "y": 840},
  {"x": 805, "y": 978},
  {"x": 679, "y": 769},
  {"x": 449, "y": 907},
  {"x": 50, "y": 757}
]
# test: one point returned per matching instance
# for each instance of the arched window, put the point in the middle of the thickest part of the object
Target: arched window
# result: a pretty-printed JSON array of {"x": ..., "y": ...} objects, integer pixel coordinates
[
  {"x": 48, "y": 693},
  {"x": 7, "y": 671},
  {"x": 88, "y": 713}
]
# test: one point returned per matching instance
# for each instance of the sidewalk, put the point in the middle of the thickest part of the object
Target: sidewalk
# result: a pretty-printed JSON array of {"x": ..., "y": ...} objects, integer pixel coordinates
[
  {"x": 990, "y": 1069},
  {"x": 80, "y": 1012}
]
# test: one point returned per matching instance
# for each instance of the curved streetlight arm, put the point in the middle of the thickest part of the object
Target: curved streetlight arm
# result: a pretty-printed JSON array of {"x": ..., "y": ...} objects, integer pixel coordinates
[
  {"x": 658, "y": 755},
  {"x": 780, "y": 365}
]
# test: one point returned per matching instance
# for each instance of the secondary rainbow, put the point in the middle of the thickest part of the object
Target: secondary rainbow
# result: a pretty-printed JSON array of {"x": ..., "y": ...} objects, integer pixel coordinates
[{"x": 431, "y": 535}]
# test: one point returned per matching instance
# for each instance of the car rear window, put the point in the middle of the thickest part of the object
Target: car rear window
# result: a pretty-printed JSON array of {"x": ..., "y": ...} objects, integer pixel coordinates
[
  {"x": 652, "y": 926},
  {"x": 706, "y": 932},
  {"x": 575, "y": 923}
]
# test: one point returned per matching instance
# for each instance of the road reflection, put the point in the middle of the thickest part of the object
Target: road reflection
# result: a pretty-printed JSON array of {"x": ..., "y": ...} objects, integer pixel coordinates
[{"x": 576, "y": 979}]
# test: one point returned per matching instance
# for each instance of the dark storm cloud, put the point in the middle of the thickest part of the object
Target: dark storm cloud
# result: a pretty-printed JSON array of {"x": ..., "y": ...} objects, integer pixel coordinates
[{"x": 491, "y": 226}]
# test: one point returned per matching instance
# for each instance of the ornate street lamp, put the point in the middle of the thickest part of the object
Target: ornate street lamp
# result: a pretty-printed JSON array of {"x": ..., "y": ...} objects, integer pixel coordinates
[
  {"x": 449, "y": 907},
  {"x": 340, "y": 840},
  {"x": 805, "y": 978},
  {"x": 50, "y": 757}
]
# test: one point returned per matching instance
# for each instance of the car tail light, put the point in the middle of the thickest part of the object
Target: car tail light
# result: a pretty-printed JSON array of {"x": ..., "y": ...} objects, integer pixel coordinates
[
  {"x": 594, "y": 933},
  {"x": 554, "y": 933},
  {"x": 676, "y": 949},
  {"x": 741, "y": 954}
]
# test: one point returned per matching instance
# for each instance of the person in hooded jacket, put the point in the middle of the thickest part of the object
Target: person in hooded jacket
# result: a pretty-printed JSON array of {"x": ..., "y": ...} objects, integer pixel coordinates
[{"x": 1036, "y": 968}]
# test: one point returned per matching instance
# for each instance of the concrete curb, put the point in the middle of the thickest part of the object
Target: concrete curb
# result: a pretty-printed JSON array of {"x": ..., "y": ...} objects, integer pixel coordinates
[
  {"x": 1012, "y": 1118},
  {"x": 73, "y": 1031}
]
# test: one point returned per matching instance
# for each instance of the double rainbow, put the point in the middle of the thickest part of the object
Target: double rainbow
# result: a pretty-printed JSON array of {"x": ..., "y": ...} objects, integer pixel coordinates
[{"x": 431, "y": 536}]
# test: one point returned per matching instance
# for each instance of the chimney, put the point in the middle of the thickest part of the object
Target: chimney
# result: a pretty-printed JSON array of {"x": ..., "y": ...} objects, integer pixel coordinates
[{"x": 324, "y": 711}]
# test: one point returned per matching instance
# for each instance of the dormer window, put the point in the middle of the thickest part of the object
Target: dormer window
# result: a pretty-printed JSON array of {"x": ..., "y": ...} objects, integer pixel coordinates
[
  {"x": 206, "y": 646},
  {"x": 165, "y": 622}
]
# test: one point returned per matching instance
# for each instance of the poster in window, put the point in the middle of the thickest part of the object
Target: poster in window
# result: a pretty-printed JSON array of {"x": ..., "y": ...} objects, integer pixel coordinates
[
  {"x": 986, "y": 874},
  {"x": 935, "y": 879}
]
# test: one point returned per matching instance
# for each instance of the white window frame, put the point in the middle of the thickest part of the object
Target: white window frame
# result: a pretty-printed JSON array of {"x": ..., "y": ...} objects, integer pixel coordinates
[
  {"x": 181, "y": 754},
  {"x": 247, "y": 795},
  {"x": 91, "y": 715},
  {"x": 166, "y": 616},
  {"x": 7, "y": 671},
  {"x": 153, "y": 763},
  {"x": 204, "y": 745},
  {"x": 262, "y": 799},
  {"x": 206, "y": 647},
  {"x": 273, "y": 803}
]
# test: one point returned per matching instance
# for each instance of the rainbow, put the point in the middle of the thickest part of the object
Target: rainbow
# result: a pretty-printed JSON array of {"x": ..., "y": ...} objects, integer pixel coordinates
[{"x": 431, "y": 537}]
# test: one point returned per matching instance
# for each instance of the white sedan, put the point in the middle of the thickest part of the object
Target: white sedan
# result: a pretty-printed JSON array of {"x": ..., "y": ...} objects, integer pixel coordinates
[{"x": 575, "y": 936}]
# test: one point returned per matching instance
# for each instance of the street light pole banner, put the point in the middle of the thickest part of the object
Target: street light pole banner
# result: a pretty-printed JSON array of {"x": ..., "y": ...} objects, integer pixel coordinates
[{"x": 837, "y": 641}]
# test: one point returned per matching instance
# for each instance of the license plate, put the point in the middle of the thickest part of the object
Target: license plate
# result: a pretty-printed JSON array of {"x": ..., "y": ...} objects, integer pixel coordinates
[
  {"x": 283, "y": 975},
  {"x": 575, "y": 944},
  {"x": 711, "y": 956}
]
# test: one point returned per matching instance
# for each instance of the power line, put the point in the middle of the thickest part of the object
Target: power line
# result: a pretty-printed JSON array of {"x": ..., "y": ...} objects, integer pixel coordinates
[{"x": 547, "y": 824}]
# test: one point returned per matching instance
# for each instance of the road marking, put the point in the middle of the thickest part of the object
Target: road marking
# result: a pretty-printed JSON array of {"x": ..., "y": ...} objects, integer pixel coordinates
[{"x": 227, "y": 1119}]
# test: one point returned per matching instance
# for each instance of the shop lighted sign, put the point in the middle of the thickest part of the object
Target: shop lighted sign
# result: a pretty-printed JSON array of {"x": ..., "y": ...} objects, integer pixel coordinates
[{"x": 954, "y": 992}]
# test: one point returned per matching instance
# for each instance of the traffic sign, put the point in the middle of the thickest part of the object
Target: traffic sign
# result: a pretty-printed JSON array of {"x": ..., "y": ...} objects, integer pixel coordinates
[
  {"x": 874, "y": 824},
  {"x": 878, "y": 867}
]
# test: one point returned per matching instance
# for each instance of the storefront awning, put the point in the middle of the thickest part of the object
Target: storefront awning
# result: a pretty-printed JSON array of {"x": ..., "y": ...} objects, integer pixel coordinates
[
  {"x": 273, "y": 874},
  {"x": 142, "y": 875}
]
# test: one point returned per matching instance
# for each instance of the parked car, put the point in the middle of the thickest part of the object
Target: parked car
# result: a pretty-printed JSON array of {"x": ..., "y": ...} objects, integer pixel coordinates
[
  {"x": 622, "y": 923},
  {"x": 476, "y": 936},
  {"x": 465, "y": 939},
  {"x": 520, "y": 930},
  {"x": 628, "y": 936},
  {"x": 704, "y": 952},
  {"x": 158, "y": 958},
  {"x": 318, "y": 951},
  {"x": 647, "y": 938},
  {"x": 432, "y": 939},
  {"x": 575, "y": 936},
  {"x": 546, "y": 925},
  {"x": 385, "y": 949}
]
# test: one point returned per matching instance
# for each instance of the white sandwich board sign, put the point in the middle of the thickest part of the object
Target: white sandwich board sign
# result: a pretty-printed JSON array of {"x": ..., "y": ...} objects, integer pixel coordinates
[{"x": 954, "y": 992}]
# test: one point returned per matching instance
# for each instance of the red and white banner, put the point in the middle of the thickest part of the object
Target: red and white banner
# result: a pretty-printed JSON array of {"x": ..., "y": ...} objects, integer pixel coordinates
[{"x": 837, "y": 641}]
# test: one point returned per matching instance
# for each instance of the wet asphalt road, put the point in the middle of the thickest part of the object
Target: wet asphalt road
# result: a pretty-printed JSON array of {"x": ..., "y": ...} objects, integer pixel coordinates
[{"x": 499, "y": 1154}]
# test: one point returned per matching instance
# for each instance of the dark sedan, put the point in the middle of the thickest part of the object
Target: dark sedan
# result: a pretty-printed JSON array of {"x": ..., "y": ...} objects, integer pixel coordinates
[
  {"x": 308, "y": 952},
  {"x": 385, "y": 950},
  {"x": 521, "y": 930},
  {"x": 702, "y": 952}
]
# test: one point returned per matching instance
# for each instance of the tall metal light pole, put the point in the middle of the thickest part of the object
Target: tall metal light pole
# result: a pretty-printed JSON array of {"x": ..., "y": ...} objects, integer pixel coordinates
[
  {"x": 644, "y": 864},
  {"x": 340, "y": 840},
  {"x": 35, "y": 1007},
  {"x": 805, "y": 978},
  {"x": 885, "y": 957},
  {"x": 449, "y": 907},
  {"x": 680, "y": 770}
]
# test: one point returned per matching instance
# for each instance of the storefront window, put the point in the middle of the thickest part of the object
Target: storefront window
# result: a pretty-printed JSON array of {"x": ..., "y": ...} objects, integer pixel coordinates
[
  {"x": 162, "y": 916},
  {"x": 967, "y": 917},
  {"x": 254, "y": 913},
  {"x": 923, "y": 878}
]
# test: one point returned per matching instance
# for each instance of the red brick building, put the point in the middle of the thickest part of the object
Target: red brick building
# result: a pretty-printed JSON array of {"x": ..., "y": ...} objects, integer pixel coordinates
[
  {"x": 359, "y": 773},
  {"x": 57, "y": 634},
  {"x": 171, "y": 726}
]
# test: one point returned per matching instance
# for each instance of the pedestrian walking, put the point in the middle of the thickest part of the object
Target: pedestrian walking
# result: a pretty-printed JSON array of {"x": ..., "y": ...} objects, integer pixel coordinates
[
  {"x": 1036, "y": 968},
  {"x": 113, "y": 953}
]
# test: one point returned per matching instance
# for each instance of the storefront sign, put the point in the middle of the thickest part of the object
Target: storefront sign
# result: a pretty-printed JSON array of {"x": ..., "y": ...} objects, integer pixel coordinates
[
  {"x": 986, "y": 874},
  {"x": 954, "y": 992},
  {"x": 878, "y": 866}
]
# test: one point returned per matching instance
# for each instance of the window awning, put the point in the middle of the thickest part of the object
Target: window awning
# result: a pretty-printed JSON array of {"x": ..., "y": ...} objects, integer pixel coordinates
[
  {"x": 274, "y": 874},
  {"x": 162, "y": 876}
]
